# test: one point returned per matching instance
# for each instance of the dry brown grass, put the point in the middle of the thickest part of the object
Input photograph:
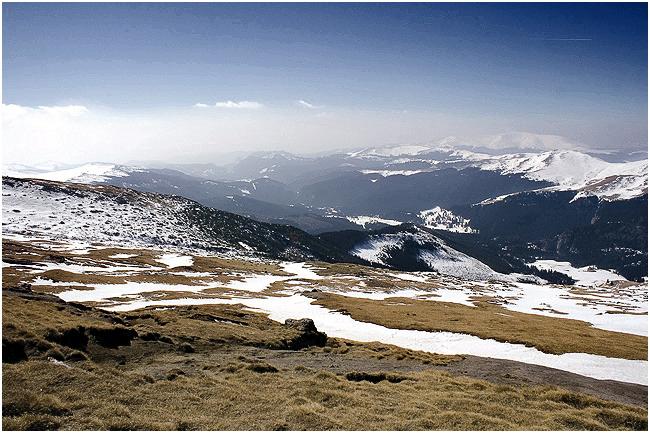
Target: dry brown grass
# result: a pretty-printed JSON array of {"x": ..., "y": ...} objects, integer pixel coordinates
[
  {"x": 333, "y": 269},
  {"x": 375, "y": 279},
  {"x": 244, "y": 397},
  {"x": 61, "y": 276},
  {"x": 37, "y": 318},
  {"x": 12, "y": 277},
  {"x": 44, "y": 288},
  {"x": 142, "y": 257},
  {"x": 217, "y": 264},
  {"x": 548, "y": 334},
  {"x": 32, "y": 252},
  {"x": 385, "y": 351}
]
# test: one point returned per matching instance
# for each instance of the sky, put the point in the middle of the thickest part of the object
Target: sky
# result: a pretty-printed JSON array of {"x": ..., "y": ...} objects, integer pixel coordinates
[{"x": 188, "y": 82}]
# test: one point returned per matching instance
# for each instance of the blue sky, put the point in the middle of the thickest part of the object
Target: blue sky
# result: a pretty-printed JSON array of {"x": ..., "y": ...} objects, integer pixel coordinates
[{"x": 576, "y": 70}]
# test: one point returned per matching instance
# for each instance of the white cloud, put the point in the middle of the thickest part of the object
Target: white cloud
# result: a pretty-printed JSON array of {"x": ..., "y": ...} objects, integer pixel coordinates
[
  {"x": 510, "y": 141},
  {"x": 306, "y": 104},
  {"x": 67, "y": 110},
  {"x": 201, "y": 105},
  {"x": 32, "y": 134},
  {"x": 528, "y": 140},
  {"x": 76, "y": 134},
  {"x": 11, "y": 112},
  {"x": 239, "y": 104}
]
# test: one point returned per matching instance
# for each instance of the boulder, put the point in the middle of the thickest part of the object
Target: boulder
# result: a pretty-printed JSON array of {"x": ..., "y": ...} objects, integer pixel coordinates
[{"x": 307, "y": 336}]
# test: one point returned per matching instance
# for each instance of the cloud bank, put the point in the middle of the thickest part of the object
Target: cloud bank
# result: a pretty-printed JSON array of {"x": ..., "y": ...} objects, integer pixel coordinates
[
  {"x": 527, "y": 140},
  {"x": 76, "y": 134}
]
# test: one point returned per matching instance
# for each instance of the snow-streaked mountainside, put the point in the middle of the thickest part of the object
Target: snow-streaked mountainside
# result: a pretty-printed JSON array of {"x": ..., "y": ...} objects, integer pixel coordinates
[
  {"x": 424, "y": 251},
  {"x": 571, "y": 170},
  {"x": 119, "y": 216},
  {"x": 566, "y": 169},
  {"x": 559, "y": 205},
  {"x": 563, "y": 169}
]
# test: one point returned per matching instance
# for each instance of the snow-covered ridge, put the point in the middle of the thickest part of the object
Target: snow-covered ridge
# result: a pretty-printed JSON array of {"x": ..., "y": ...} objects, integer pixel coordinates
[
  {"x": 370, "y": 220},
  {"x": 387, "y": 173},
  {"x": 565, "y": 169},
  {"x": 86, "y": 173},
  {"x": 443, "y": 219},
  {"x": 404, "y": 149},
  {"x": 91, "y": 213},
  {"x": 437, "y": 255},
  {"x": 568, "y": 170},
  {"x": 571, "y": 170}
]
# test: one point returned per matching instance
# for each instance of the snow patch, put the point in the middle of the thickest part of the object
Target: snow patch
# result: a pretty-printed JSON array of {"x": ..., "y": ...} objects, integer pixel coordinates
[
  {"x": 175, "y": 260},
  {"x": 387, "y": 173},
  {"x": 443, "y": 219},
  {"x": 586, "y": 276},
  {"x": 343, "y": 326},
  {"x": 364, "y": 220}
]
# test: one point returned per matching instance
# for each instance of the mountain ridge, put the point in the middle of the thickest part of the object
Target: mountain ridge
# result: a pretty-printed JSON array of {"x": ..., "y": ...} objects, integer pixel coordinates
[{"x": 106, "y": 213}]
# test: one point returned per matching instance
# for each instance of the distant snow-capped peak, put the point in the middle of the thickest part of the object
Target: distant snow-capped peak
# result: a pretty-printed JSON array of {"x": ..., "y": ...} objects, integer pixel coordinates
[
  {"x": 566, "y": 169},
  {"x": 573, "y": 170}
]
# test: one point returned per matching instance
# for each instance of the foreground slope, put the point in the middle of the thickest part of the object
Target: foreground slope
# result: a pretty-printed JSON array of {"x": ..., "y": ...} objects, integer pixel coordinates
[{"x": 71, "y": 366}]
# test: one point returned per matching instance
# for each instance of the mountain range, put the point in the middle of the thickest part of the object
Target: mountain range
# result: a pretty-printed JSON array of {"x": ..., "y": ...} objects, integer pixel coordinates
[{"x": 557, "y": 205}]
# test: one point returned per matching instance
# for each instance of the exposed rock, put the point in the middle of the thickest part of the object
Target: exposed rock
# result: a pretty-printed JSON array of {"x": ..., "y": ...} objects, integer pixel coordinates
[
  {"x": 113, "y": 337},
  {"x": 13, "y": 350},
  {"x": 307, "y": 336},
  {"x": 186, "y": 348},
  {"x": 74, "y": 338}
]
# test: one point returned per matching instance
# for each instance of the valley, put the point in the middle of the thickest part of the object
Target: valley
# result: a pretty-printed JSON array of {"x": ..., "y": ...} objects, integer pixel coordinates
[{"x": 565, "y": 206}]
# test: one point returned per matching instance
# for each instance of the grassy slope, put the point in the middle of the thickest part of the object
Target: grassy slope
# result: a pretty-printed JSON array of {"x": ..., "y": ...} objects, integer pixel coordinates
[
  {"x": 486, "y": 320},
  {"x": 548, "y": 334}
]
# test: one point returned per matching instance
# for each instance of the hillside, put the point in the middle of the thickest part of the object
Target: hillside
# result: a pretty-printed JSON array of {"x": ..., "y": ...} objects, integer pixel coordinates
[{"x": 108, "y": 214}]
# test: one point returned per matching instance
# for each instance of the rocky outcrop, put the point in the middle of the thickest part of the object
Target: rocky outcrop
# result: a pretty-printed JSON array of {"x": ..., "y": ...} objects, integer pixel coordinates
[{"x": 307, "y": 336}]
